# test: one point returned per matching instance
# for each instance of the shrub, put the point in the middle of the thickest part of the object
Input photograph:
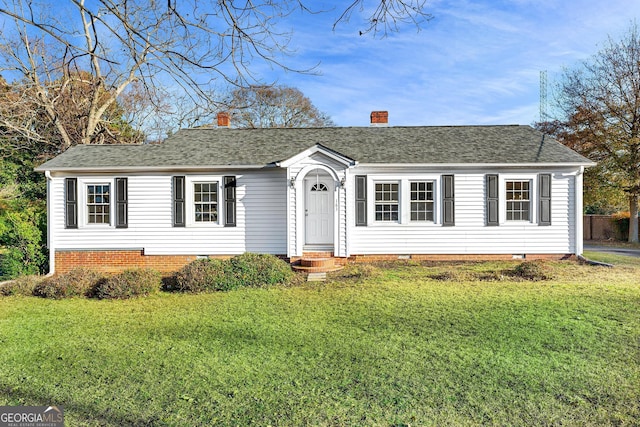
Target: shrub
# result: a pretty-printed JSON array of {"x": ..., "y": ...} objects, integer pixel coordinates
[
  {"x": 248, "y": 269},
  {"x": 169, "y": 284},
  {"x": 260, "y": 270},
  {"x": 79, "y": 282},
  {"x": 129, "y": 283},
  {"x": 23, "y": 285},
  {"x": 621, "y": 222},
  {"x": 205, "y": 275}
]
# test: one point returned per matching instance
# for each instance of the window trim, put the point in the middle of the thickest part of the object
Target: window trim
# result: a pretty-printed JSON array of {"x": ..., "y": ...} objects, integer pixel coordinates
[
  {"x": 404, "y": 198},
  {"x": 190, "y": 211},
  {"x": 398, "y": 202},
  {"x": 522, "y": 202},
  {"x": 532, "y": 178},
  {"x": 85, "y": 202},
  {"x": 433, "y": 183}
]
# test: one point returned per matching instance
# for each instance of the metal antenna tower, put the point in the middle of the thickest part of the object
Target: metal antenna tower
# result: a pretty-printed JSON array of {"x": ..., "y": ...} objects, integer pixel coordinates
[{"x": 543, "y": 96}]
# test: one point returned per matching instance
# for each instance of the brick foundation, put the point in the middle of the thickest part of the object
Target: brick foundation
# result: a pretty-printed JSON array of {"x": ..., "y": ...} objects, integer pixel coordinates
[
  {"x": 111, "y": 261},
  {"x": 440, "y": 257},
  {"x": 458, "y": 257}
]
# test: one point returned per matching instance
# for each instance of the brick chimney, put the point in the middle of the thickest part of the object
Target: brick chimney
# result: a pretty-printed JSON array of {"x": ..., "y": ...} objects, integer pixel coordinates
[
  {"x": 379, "y": 118},
  {"x": 224, "y": 120}
]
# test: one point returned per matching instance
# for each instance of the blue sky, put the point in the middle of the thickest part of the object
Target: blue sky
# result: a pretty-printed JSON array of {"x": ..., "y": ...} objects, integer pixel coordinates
[{"x": 475, "y": 62}]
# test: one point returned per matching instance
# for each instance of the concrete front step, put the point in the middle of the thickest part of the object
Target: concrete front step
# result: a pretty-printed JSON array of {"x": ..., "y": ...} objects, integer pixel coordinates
[{"x": 316, "y": 277}]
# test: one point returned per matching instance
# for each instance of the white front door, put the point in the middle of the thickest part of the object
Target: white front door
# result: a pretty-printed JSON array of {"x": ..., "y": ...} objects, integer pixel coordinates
[{"x": 319, "y": 212}]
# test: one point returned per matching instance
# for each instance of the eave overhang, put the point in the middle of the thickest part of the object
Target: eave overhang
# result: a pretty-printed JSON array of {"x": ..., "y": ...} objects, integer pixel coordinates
[
  {"x": 478, "y": 165},
  {"x": 120, "y": 169}
]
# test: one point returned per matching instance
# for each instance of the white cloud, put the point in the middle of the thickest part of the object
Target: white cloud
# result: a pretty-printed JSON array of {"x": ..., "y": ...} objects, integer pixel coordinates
[{"x": 474, "y": 63}]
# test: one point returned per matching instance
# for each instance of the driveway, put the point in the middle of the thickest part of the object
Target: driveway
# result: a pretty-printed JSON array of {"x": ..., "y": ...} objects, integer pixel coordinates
[{"x": 635, "y": 252}]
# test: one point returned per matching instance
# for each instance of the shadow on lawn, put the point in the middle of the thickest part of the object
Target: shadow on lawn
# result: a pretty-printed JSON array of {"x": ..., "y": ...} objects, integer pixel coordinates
[{"x": 83, "y": 413}]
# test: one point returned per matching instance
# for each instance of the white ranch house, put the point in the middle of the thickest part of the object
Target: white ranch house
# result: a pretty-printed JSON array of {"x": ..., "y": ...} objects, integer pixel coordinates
[{"x": 436, "y": 192}]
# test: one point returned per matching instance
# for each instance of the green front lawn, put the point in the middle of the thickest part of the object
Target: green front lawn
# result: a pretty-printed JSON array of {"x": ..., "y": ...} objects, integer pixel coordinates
[
  {"x": 615, "y": 259},
  {"x": 400, "y": 348}
]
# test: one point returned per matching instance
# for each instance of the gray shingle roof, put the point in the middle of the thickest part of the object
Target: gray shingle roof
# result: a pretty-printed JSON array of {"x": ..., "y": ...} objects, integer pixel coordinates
[{"x": 198, "y": 148}]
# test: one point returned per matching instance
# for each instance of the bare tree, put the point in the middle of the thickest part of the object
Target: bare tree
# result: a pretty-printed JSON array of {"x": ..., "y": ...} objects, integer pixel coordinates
[
  {"x": 600, "y": 101},
  {"x": 118, "y": 43},
  {"x": 274, "y": 106},
  {"x": 382, "y": 17},
  {"x": 112, "y": 44},
  {"x": 26, "y": 121}
]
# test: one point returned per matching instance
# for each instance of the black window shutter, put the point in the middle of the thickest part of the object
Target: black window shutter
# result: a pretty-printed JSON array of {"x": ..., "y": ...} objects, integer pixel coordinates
[
  {"x": 229, "y": 201},
  {"x": 448, "y": 200},
  {"x": 361, "y": 200},
  {"x": 178, "y": 201},
  {"x": 122, "y": 203},
  {"x": 71, "y": 203},
  {"x": 544, "y": 190},
  {"x": 492, "y": 197}
]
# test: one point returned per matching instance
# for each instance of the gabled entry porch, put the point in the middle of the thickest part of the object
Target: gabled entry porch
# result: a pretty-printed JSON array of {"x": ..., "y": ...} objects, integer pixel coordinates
[{"x": 317, "y": 204}]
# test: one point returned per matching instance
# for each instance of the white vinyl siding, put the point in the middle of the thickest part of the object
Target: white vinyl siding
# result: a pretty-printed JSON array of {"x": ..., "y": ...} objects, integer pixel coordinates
[
  {"x": 268, "y": 219},
  {"x": 470, "y": 235},
  {"x": 261, "y": 218}
]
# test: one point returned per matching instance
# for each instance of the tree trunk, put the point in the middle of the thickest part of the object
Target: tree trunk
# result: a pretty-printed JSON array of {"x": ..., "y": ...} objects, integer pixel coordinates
[{"x": 633, "y": 218}]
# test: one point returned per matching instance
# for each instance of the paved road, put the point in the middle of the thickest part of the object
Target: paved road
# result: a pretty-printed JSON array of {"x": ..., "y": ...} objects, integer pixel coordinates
[{"x": 613, "y": 250}]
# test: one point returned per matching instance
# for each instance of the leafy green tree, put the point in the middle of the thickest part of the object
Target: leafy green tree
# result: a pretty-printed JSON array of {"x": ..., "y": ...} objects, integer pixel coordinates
[
  {"x": 21, "y": 233},
  {"x": 22, "y": 215},
  {"x": 602, "y": 195},
  {"x": 600, "y": 103}
]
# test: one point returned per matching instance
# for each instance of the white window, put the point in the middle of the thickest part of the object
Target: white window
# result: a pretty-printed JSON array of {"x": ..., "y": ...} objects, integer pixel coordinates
[
  {"x": 98, "y": 204},
  {"x": 518, "y": 197},
  {"x": 386, "y": 201},
  {"x": 421, "y": 201},
  {"x": 205, "y": 202}
]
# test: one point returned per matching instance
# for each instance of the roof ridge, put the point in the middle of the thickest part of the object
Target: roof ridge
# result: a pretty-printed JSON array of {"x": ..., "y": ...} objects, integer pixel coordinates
[{"x": 203, "y": 129}]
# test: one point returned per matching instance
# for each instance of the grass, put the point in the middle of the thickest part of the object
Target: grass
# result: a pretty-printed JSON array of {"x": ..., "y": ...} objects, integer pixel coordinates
[
  {"x": 615, "y": 259},
  {"x": 399, "y": 348},
  {"x": 613, "y": 243}
]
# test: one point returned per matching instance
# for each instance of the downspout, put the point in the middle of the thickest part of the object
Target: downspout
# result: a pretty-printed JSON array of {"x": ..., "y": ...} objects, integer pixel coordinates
[
  {"x": 289, "y": 228},
  {"x": 50, "y": 245},
  {"x": 579, "y": 215}
]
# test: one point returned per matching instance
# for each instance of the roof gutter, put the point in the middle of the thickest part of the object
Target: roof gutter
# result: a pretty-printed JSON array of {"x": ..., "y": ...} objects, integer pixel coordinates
[
  {"x": 477, "y": 165},
  {"x": 150, "y": 168}
]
